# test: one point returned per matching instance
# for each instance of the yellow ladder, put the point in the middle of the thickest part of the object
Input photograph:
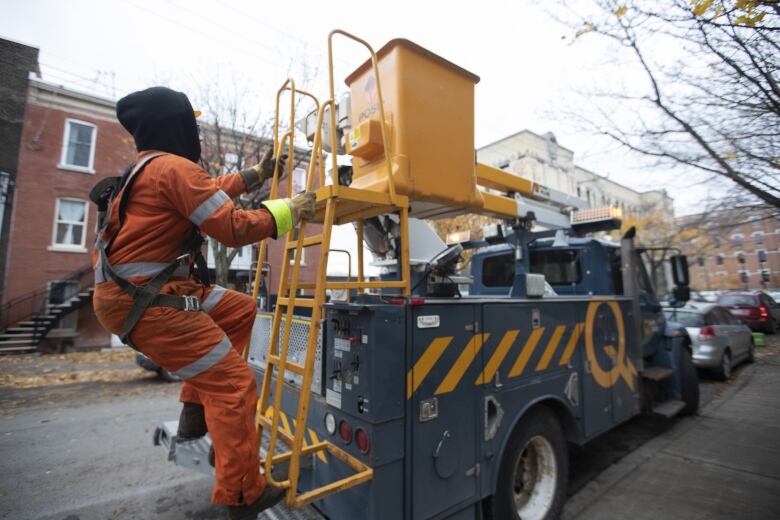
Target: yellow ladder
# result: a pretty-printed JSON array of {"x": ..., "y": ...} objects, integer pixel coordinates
[{"x": 336, "y": 204}]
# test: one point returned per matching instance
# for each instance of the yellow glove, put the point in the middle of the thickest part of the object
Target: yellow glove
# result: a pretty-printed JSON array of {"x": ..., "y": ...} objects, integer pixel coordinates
[{"x": 302, "y": 206}]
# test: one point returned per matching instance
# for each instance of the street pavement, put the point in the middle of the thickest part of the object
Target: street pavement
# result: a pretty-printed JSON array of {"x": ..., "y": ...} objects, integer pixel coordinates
[
  {"x": 76, "y": 430},
  {"x": 722, "y": 463}
]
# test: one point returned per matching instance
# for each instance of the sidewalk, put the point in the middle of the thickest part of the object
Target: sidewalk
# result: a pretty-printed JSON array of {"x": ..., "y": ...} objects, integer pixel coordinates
[{"x": 724, "y": 463}]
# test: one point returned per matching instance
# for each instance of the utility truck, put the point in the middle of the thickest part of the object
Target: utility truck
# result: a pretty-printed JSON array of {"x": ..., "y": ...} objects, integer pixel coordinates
[{"x": 431, "y": 392}]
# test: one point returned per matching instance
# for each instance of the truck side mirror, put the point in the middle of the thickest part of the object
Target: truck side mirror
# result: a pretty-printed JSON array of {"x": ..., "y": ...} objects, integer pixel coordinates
[
  {"x": 680, "y": 271},
  {"x": 681, "y": 293}
]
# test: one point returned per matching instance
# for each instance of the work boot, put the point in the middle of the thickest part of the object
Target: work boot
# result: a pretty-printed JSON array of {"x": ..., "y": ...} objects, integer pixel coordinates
[
  {"x": 271, "y": 496},
  {"x": 192, "y": 422}
]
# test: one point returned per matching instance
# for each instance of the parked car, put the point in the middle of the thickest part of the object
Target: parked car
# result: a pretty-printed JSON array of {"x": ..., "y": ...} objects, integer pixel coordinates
[
  {"x": 146, "y": 363},
  {"x": 757, "y": 309},
  {"x": 718, "y": 340}
]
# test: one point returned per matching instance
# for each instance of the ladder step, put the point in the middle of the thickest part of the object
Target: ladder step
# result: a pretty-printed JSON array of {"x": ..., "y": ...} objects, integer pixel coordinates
[
  {"x": 307, "y": 242},
  {"x": 669, "y": 408},
  {"x": 299, "y": 302},
  {"x": 657, "y": 373},
  {"x": 290, "y": 365}
]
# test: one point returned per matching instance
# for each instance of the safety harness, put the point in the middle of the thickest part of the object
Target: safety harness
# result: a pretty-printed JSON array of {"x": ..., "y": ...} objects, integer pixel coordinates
[{"x": 104, "y": 194}]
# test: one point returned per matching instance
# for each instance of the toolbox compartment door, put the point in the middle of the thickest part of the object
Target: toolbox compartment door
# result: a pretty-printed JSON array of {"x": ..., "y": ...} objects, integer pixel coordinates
[{"x": 446, "y": 360}]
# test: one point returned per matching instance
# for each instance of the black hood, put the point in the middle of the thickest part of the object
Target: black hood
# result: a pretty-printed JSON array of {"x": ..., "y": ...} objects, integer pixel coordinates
[{"x": 161, "y": 119}]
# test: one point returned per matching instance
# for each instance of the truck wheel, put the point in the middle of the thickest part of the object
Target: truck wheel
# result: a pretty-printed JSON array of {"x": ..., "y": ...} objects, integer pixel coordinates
[
  {"x": 689, "y": 383},
  {"x": 532, "y": 478}
]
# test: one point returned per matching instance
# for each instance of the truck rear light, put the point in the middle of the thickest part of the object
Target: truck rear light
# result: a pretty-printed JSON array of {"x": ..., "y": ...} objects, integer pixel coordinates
[
  {"x": 361, "y": 439},
  {"x": 763, "y": 312},
  {"x": 345, "y": 431},
  {"x": 706, "y": 332}
]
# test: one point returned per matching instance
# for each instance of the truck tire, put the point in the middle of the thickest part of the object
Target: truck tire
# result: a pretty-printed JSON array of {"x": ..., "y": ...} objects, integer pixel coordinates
[
  {"x": 689, "y": 383},
  {"x": 533, "y": 473}
]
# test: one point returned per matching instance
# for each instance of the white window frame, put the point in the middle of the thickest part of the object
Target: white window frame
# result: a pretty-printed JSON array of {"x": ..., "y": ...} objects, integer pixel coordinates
[
  {"x": 63, "y": 247},
  {"x": 66, "y": 139},
  {"x": 741, "y": 239},
  {"x": 754, "y": 234}
]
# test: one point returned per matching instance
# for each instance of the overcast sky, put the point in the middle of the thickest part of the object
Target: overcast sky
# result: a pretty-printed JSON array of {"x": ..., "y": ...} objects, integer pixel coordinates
[{"x": 527, "y": 66}]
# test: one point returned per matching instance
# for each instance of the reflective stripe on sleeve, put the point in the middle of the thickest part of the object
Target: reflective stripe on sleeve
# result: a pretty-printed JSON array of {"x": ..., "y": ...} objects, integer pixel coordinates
[
  {"x": 208, "y": 207},
  {"x": 145, "y": 269},
  {"x": 213, "y": 299},
  {"x": 209, "y": 360}
]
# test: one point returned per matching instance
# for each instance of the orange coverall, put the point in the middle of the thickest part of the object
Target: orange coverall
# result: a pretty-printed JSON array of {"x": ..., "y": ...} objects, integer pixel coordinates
[{"x": 172, "y": 194}]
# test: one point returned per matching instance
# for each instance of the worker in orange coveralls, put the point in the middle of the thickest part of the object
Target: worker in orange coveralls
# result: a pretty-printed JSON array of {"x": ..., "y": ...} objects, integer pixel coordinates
[{"x": 150, "y": 286}]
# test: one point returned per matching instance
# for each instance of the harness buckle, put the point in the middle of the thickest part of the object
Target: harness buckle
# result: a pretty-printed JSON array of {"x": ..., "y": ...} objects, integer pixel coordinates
[{"x": 191, "y": 304}]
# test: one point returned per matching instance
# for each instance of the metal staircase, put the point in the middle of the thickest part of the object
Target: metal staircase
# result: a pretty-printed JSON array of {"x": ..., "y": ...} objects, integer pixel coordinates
[
  {"x": 26, "y": 320},
  {"x": 336, "y": 204}
]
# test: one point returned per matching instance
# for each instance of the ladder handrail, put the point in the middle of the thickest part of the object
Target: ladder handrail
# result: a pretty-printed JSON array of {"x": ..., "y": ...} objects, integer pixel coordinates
[
  {"x": 380, "y": 102},
  {"x": 288, "y": 85}
]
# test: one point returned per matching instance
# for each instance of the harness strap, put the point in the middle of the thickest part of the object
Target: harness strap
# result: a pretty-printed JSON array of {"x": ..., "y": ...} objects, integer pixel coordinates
[{"x": 149, "y": 295}]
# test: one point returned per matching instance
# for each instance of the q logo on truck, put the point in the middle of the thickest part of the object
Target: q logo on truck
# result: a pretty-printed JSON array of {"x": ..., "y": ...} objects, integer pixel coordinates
[{"x": 623, "y": 367}]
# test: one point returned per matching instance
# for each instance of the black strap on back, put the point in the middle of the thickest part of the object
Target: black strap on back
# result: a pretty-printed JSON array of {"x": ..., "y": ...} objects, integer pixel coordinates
[{"x": 147, "y": 295}]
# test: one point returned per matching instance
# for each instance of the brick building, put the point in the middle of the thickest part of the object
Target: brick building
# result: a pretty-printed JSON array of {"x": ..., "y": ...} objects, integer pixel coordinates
[
  {"x": 69, "y": 141},
  {"x": 17, "y": 61},
  {"x": 722, "y": 238}
]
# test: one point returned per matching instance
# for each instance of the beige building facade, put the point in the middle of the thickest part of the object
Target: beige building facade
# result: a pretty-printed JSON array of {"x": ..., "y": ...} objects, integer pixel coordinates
[{"x": 542, "y": 159}]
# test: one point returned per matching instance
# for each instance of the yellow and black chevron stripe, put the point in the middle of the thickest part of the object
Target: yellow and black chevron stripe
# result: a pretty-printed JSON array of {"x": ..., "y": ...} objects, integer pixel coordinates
[
  {"x": 284, "y": 424},
  {"x": 429, "y": 358}
]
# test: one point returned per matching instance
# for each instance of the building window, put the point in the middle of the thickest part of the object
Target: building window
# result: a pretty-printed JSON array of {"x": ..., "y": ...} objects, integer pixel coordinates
[
  {"x": 298, "y": 180},
  {"x": 756, "y": 222},
  {"x": 736, "y": 239},
  {"x": 719, "y": 260},
  {"x": 716, "y": 241},
  {"x": 70, "y": 225},
  {"x": 758, "y": 237},
  {"x": 78, "y": 146},
  {"x": 230, "y": 163}
]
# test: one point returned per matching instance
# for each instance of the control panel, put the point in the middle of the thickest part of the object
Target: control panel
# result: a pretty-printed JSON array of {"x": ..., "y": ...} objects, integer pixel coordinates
[{"x": 365, "y": 360}]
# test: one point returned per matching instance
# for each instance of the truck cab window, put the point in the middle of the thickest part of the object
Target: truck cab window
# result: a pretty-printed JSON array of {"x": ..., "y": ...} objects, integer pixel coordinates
[
  {"x": 499, "y": 270},
  {"x": 559, "y": 266}
]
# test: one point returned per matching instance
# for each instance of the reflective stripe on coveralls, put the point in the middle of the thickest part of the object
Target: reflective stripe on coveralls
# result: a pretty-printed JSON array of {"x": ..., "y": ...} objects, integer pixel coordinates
[
  {"x": 145, "y": 269},
  {"x": 213, "y": 299},
  {"x": 208, "y": 207},
  {"x": 209, "y": 360}
]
